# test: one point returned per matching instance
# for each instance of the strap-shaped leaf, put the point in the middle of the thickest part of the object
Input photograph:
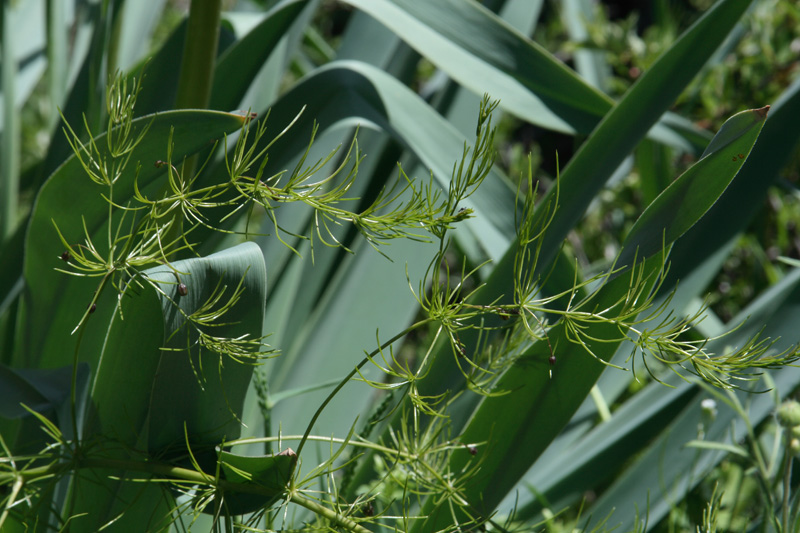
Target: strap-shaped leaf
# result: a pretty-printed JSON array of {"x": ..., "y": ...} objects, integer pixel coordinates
[
  {"x": 602, "y": 153},
  {"x": 688, "y": 198},
  {"x": 520, "y": 430},
  {"x": 486, "y": 54}
]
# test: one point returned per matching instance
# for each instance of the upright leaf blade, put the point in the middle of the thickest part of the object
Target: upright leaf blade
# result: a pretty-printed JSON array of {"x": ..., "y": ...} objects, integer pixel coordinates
[{"x": 688, "y": 198}]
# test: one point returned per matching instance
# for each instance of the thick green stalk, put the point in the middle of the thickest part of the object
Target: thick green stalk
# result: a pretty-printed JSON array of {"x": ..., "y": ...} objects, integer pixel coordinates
[
  {"x": 199, "y": 55},
  {"x": 9, "y": 151}
]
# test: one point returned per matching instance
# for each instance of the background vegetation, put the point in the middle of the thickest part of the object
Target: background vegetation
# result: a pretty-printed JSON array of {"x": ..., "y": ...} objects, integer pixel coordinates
[{"x": 173, "y": 318}]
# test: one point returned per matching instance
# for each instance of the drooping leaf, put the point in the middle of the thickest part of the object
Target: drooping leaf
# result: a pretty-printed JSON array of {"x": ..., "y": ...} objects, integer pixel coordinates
[{"x": 485, "y": 54}]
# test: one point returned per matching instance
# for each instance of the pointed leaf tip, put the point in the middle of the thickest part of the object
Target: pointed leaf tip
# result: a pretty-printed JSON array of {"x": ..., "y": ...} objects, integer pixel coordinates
[{"x": 762, "y": 112}]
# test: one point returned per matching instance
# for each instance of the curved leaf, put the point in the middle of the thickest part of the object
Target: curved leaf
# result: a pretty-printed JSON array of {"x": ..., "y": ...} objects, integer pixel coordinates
[
  {"x": 353, "y": 93},
  {"x": 242, "y": 61},
  {"x": 145, "y": 366},
  {"x": 53, "y": 301},
  {"x": 601, "y": 154},
  {"x": 742, "y": 200}
]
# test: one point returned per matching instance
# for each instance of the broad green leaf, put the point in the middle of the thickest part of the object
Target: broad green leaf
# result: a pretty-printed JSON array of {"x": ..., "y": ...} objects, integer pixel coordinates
[
  {"x": 54, "y": 302},
  {"x": 736, "y": 208},
  {"x": 348, "y": 321},
  {"x": 525, "y": 434},
  {"x": 599, "y": 454},
  {"x": 207, "y": 392},
  {"x": 145, "y": 366},
  {"x": 269, "y": 474},
  {"x": 551, "y": 402}
]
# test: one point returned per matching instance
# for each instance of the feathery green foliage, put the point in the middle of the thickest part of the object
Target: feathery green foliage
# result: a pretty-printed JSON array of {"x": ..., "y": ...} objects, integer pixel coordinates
[{"x": 180, "y": 353}]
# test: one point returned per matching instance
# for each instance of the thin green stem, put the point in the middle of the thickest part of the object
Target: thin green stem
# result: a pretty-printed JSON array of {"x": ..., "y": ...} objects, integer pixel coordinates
[
  {"x": 352, "y": 373},
  {"x": 321, "y": 510},
  {"x": 316, "y": 438},
  {"x": 787, "y": 479}
]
